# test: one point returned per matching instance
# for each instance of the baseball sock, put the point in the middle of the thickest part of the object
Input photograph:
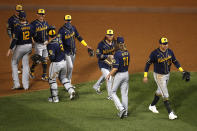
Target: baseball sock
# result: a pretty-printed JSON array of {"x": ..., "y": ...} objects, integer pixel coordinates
[
  {"x": 33, "y": 67},
  {"x": 167, "y": 105},
  {"x": 155, "y": 100},
  {"x": 44, "y": 65}
]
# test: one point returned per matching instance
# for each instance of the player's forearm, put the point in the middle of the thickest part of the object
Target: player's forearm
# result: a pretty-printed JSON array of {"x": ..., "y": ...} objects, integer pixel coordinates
[
  {"x": 84, "y": 43},
  {"x": 178, "y": 66},
  {"x": 147, "y": 67},
  {"x": 113, "y": 71},
  {"x": 13, "y": 44}
]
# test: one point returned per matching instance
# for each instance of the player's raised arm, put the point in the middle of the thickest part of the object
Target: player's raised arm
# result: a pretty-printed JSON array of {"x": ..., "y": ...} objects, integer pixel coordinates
[{"x": 83, "y": 42}]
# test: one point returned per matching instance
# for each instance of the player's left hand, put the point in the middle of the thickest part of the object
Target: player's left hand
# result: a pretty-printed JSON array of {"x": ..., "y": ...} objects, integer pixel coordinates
[
  {"x": 9, "y": 52},
  {"x": 186, "y": 76},
  {"x": 46, "y": 42},
  {"x": 108, "y": 77},
  {"x": 90, "y": 51}
]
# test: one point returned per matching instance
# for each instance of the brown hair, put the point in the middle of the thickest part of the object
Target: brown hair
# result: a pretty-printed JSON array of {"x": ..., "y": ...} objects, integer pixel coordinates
[{"x": 121, "y": 47}]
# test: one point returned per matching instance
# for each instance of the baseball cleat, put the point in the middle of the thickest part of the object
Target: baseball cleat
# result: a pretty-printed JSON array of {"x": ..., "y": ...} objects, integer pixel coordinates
[
  {"x": 153, "y": 109},
  {"x": 15, "y": 87},
  {"x": 98, "y": 91},
  {"x": 26, "y": 88},
  {"x": 72, "y": 96},
  {"x": 125, "y": 116},
  {"x": 32, "y": 75},
  {"x": 45, "y": 78},
  {"x": 122, "y": 113},
  {"x": 172, "y": 116},
  {"x": 109, "y": 98},
  {"x": 53, "y": 99}
]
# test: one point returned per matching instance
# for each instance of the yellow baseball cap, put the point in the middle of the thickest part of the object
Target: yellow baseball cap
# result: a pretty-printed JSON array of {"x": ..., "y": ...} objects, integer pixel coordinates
[
  {"x": 52, "y": 32},
  {"x": 41, "y": 11},
  {"x": 163, "y": 40},
  {"x": 110, "y": 32},
  {"x": 19, "y": 8},
  {"x": 68, "y": 18}
]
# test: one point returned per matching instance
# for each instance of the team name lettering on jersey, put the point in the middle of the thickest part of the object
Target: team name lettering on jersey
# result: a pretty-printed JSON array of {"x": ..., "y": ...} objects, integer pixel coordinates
[
  {"x": 41, "y": 28},
  {"x": 25, "y": 28},
  {"x": 160, "y": 60},
  {"x": 69, "y": 35},
  {"x": 108, "y": 51}
]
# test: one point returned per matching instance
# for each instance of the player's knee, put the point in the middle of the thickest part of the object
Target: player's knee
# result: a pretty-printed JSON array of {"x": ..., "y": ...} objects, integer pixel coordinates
[
  {"x": 62, "y": 80},
  {"x": 52, "y": 81},
  {"x": 113, "y": 92}
]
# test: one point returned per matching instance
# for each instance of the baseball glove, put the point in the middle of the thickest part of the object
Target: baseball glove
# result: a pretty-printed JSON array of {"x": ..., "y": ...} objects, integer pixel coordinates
[
  {"x": 36, "y": 58},
  {"x": 90, "y": 52},
  {"x": 186, "y": 76},
  {"x": 109, "y": 61}
]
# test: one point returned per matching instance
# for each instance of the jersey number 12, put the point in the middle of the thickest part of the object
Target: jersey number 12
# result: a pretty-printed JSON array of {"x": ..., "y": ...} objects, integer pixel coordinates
[{"x": 26, "y": 35}]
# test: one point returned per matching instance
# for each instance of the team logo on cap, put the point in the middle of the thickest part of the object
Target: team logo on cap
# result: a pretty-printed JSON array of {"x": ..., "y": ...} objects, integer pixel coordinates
[
  {"x": 67, "y": 17},
  {"x": 19, "y": 7},
  {"x": 52, "y": 33},
  {"x": 163, "y": 40},
  {"x": 110, "y": 32},
  {"x": 41, "y": 11}
]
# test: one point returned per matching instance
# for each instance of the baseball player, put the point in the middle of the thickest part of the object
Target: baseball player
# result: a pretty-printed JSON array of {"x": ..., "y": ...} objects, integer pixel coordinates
[
  {"x": 22, "y": 39},
  {"x": 105, "y": 51},
  {"x": 162, "y": 58},
  {"x": 68, "y": 33},
  {"x": 40, "y": 27},
  {"x": 120, "y": 76},
  {"x": 57, "y": 66},
  {"x": 13, "y": 21}
]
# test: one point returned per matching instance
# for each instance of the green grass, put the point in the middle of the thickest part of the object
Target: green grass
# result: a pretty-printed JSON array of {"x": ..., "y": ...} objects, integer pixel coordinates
[{"x": 31, "y": 111}]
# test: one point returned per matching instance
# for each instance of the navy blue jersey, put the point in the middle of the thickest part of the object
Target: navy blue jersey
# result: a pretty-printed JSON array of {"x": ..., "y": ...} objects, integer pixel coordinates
[
  {"x": 121, "y": 61},
  {"x": 162, "y": 61},
  {"x": 40, "y": 29},
  {"x": 68, "y": 33},
  {"x": 13, "y": 21},
  {"x": 23, "y": 34},
  {"x": 56, "y": 51},
  {"x": 102, "y": 52}
]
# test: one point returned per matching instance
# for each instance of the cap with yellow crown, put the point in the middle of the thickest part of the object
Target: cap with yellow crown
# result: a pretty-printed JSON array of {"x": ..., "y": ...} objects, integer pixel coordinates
[
  {"x": 163, "y": 41},
  {"x": 19, "y": 8},
  {"x": 110, "y": 32},
  {"x": 67, "y": 18},
  {"x": 41, "y": 12},
  {"x": 51, "y": 31}
]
